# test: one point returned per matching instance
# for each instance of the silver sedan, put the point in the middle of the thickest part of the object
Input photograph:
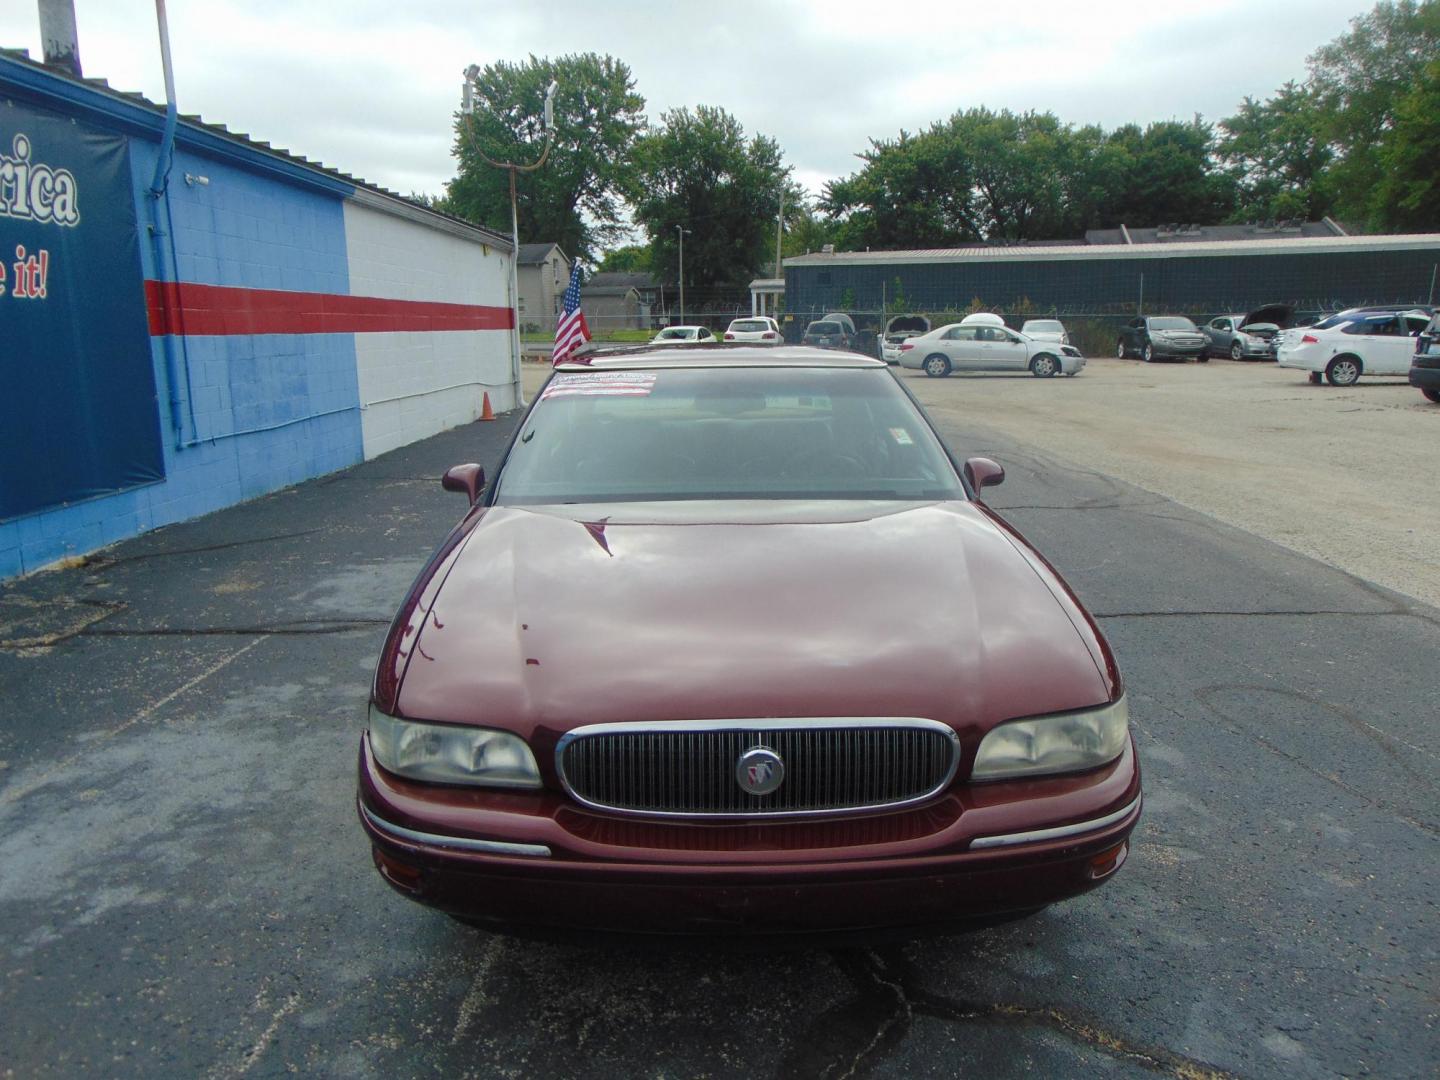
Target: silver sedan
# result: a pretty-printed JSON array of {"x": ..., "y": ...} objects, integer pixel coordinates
[{"x": 987, "y": 348}]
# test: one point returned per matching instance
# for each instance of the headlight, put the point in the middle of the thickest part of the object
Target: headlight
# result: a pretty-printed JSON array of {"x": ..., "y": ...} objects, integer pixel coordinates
[
  {"x": 1069, "y": 350},
  {"x": 449, "y": 754},
  {"x": 1068, "y": 742}
]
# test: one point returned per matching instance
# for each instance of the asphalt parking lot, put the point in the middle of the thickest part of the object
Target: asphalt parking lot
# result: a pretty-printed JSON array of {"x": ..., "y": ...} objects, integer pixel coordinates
[
  {"x": 1346, "y": 476},
  {"x": 184, "y": 889}
]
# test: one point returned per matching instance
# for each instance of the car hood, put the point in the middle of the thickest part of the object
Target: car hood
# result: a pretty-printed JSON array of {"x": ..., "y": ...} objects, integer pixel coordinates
[
  {"x": 1282, "y": 315},
  {"x": 554, "y": 617}
]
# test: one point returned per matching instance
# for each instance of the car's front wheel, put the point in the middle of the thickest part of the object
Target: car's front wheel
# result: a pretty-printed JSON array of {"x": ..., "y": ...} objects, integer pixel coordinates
[
  {"x": 1431, "y": 395},
  {"x": 1120, "y": 351},
  {"x": 1044, "y": 366},
  {"x": 1236, "y": 352},
  {"x": 1343, "y": 371},
  {"x": 1147, "y": 353},
  {"x": 937, "y": 365}
]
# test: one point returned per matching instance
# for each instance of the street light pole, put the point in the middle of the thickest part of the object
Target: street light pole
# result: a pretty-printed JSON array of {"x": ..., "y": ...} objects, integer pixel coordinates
[
  {"x": 468, "y": 109},
  {"x": 682, "y": 231}
]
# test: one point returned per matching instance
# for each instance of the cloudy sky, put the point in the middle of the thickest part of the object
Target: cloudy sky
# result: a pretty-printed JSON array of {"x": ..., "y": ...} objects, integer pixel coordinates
[{"x": 369, "y": 86}]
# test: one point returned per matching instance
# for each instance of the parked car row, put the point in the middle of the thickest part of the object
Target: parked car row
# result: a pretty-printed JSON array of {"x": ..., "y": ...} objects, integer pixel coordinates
[{"x": 1380, "y": 340}]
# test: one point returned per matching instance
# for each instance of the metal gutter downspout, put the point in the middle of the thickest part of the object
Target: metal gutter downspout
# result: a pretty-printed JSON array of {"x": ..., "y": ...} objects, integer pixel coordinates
[{"x": 158, "y": 190}]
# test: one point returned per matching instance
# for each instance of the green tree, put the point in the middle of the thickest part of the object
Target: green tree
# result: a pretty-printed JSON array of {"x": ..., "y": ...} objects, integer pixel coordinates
[
  {"x": 1162, "y": 173},
  {"x": 1278, "y": 156},
  {"x": 1003, "y": 176},
  {"x": 632, "y": 258},
  {"x": 806, "y": 230},
  {"x": 1359, "y": 80},
  {"x": 574, "y": 198},
  {"x": 912, "y": 191},
  {"x": 1409, "y": 192},
  {"x": 698, "y": 171}
]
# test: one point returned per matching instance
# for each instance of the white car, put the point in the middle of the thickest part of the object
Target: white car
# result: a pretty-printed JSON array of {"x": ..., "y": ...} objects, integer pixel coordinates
[
  {"x": 683, "y": 335},
  {"x": 1353, "y": 343},
  {"x": 1046, "y": 330},
  {"x": 979, "y": 344},
  {"x": 898, "y": 330},
  {"x": 757, "y": 329}
]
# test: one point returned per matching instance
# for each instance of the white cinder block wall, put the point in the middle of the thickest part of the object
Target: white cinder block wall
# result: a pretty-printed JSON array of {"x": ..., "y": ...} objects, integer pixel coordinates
[{"x": 414, "y": 384}]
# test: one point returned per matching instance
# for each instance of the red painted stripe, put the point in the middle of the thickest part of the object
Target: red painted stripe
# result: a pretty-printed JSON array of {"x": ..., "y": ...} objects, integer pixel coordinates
[{"x": 210, "y": 310}]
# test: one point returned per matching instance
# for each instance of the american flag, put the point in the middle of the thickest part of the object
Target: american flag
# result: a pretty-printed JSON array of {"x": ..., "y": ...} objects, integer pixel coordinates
[{"x": 571, "y": 332}]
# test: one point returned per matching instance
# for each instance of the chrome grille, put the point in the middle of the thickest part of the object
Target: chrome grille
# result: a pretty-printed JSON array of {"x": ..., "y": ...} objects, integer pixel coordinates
[{"x": 687, "y": 768}]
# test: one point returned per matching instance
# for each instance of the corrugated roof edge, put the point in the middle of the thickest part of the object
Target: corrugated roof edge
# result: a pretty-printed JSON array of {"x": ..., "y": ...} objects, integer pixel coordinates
[
  {"x": 1193, "y": 249},
  {"x": 30, "y": 74}
]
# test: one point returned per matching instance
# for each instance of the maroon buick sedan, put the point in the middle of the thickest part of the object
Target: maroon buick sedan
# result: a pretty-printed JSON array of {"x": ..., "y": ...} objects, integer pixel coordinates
[{"x": 731, "y": 645}]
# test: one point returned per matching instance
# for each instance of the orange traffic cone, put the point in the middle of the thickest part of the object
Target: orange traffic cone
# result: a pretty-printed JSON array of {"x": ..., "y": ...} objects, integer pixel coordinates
[{"x": 487, "y": 413}]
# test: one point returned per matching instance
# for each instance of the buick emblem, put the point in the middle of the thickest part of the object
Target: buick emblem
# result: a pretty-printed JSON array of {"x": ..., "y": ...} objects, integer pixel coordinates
[{"x": 759, "y": 770}]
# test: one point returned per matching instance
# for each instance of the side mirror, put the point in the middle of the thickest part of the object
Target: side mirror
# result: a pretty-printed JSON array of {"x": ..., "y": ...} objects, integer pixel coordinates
[
  {"x": 469, "y": 480},
  {"x": 981, "y": 472}
]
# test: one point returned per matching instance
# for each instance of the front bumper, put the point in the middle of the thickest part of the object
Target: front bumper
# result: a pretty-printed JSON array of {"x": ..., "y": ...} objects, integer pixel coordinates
[
  {"x": 1175, "y": 348},
  {"x": 538, "y": 860},
  {"x": 1071, "y": 365},
  {"x": 1256, "y": 350}
]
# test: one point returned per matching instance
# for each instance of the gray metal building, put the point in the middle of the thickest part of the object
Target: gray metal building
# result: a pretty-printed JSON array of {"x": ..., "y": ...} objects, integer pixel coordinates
[{"x": 1188, "y": 277}]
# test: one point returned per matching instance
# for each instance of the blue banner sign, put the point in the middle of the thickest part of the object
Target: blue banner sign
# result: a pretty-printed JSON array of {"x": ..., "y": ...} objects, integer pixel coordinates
[{"x": 78, "y": 415}]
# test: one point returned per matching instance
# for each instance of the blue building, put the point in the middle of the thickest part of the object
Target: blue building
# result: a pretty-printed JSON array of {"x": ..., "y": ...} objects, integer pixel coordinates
[{"x": 187, "y": 324}]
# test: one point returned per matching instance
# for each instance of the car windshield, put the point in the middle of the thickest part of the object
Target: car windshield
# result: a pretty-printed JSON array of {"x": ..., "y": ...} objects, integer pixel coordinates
[
  {"x": 1171, "y": 323},
  {"x": 749, "y": 326},
  {"x": 823, "y": 328},
  {"x": 713, "y": 433},
  {"x": 679, "y": 333},
  {"x": 1042, "y": 326}
]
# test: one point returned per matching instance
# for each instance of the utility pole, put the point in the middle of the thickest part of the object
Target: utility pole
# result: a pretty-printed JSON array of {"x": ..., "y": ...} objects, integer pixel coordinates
[
  {"x": 682, "y": 231},
  {"x": 779, "y": 224},
  {"x": 468, "y": 108}
]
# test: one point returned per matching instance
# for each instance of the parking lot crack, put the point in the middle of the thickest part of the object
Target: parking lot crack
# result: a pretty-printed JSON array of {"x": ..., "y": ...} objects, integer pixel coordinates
[
  {"x": 1227, "y": 723},
  {"x": 293, "y": 627},
  {"x": 849, "y": 1040},
  {"x": 101, "y": 561},
  {"x": 74, "y": 616},
  {"x": 19, "y": 790}
]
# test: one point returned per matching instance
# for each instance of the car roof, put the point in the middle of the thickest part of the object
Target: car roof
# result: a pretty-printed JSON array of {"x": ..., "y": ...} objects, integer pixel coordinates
[
  {"x": 982, "y": 318},
  {"x": 720, "y": 356}
]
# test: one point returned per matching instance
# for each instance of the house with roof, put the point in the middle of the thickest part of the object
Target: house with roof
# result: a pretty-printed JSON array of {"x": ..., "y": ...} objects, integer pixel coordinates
[
  {"x": 542, "y": 271},
  {"x": 623, "y": 300}
]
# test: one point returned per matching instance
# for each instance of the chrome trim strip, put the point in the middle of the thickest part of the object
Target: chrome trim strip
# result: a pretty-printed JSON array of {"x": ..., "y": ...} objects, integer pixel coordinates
[
  {"x": 463, "y": 843},
  {"x": 798, "y": 723},
  {"x": 1059, "y": 831}
]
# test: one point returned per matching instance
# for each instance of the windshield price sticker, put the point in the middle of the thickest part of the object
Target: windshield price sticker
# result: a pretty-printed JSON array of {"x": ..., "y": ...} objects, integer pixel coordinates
[
  {"x": 601, "y": 384},
  {"x": 901, "y": 436}
]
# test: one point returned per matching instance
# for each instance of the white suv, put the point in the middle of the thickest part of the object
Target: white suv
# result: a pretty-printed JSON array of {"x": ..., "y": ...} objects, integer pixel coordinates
[
  {"x": 759, "y": 329},
  {"x": 1368, "y": 341}
]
